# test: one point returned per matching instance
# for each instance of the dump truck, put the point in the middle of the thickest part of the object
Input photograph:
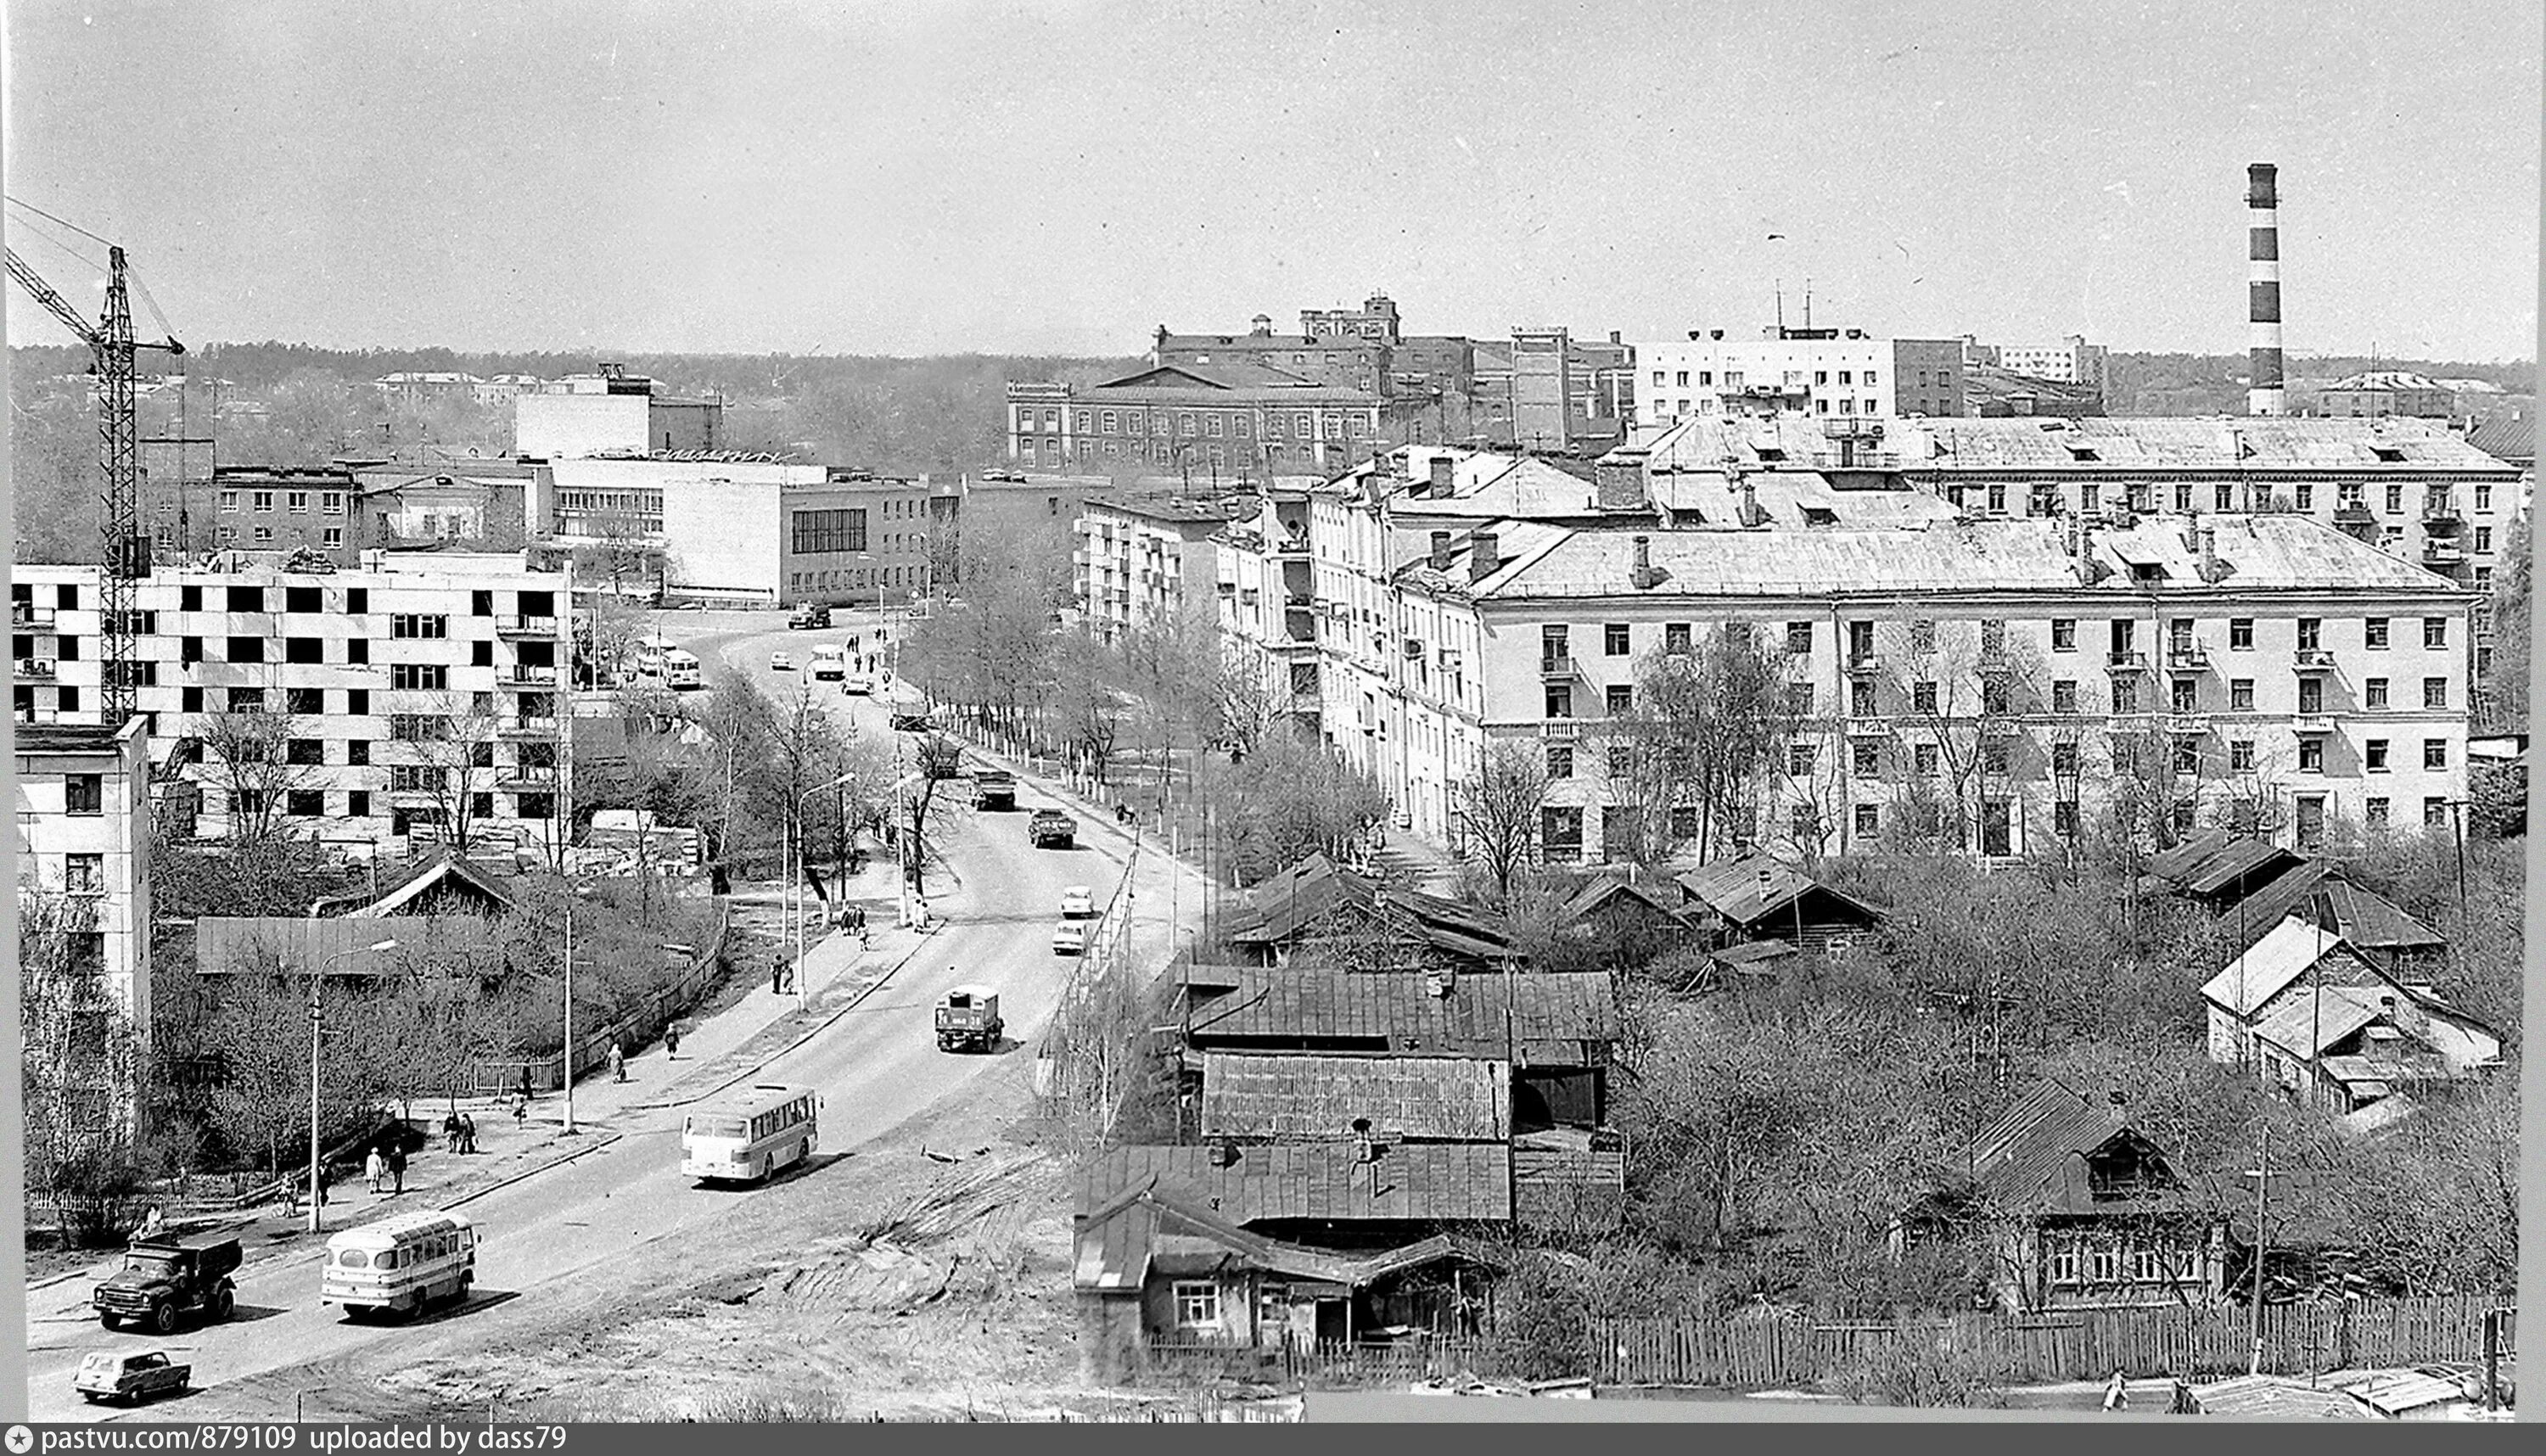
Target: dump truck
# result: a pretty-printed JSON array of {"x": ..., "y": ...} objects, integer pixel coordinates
[
  {"x": 809, "y": 616},
  {"x": 906, "y": 708},
  {"x": 993, "y": 789},
  {"x": 165, "y": 1277},
  {"x": 968, "y": 1020},
  {"x": 1052, "y": 830},
  {"x": 941, "y": 757}
]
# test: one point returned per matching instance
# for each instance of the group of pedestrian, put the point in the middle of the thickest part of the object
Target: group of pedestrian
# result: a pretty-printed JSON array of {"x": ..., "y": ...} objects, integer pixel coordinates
[
  {"x": 385, "y": 1163},
  {"x": 460, "y": 1132}
]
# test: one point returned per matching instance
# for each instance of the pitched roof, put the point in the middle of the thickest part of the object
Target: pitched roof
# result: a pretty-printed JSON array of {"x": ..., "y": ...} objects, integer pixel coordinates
[
  {"x": 1117, "y": 1242},
  {"x": 1409, "y": 1182},
  {"x": 1286, "y": 905},
  {"x": 2215, "y": 860},
  {"x": 2277, "y": 899},
  {"x": 447, "y": 873},
  {"x": 1553, "y": 1015},
  {"x": 2371, "y": 922},
  {"x": 2277, "y": 1396},
  {"x": 2507, "y": 436},
  {"x": 1591, "y": 898},
  {"x": 2032, "y": 1155},
  {"x": 2270, "y": 967},
  {"x": 2306, "y": 1024},
  {"x": 230, "y": 945},
  {"x": 1755, "y": 885},
  {"x": 1298, "y": 1095},
  {"x": 2096, "y": 445}
]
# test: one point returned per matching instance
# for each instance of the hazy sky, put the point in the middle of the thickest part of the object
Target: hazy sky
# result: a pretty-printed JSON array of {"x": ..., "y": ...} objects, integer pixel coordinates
[{"x": 914, "y": 177}]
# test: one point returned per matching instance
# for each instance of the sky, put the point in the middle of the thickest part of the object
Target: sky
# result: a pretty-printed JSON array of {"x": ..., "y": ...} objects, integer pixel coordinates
[{"x": 937, "y": 176}]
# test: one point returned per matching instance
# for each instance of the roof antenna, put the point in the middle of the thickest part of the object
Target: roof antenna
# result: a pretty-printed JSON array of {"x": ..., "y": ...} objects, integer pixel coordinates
[
  {"x": 1808, "y": 304},
  {"x": 1780, "y": 287}
]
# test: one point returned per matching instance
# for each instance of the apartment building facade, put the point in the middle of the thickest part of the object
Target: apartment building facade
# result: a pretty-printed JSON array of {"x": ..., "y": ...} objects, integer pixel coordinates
[
  {"x": 371, "y": 710},
  {"x": 83, "y": 809},
  {"x": 1997, "y": 683},
  {"x": 1142, "y": 561},
  {"x": 2071, "y": 361},
  {"x": 1229, "y": 422},
  {"x": 1827, "y": 371}
]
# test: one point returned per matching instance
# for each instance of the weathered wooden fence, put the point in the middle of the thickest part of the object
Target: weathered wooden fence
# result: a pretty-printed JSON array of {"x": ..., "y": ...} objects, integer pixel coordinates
[
  {"x": 2085, "y": 1345},
  {"x": 1328, "y": 1363},
  {"x": 639, "y": 1025}
]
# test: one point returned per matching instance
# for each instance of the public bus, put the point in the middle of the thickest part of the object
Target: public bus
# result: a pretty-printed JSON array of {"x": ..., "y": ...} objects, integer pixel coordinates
[
  {"x": 681, "y": 669},
  {"x": 403, "y": 1263},
  {"x": 745, "y": 1138}
]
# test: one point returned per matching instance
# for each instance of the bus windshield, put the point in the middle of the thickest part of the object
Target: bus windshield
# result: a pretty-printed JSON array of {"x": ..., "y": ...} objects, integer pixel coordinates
[{"x": 717, "y": 1127}]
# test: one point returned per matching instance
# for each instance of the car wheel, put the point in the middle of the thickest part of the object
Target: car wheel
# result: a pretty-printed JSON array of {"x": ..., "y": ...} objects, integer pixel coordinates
[
  {"x": 111, "y": 1322},
  {"x": 224, "y": 1303},
  {"x": 163, "y": 1317},
  {"x": 91, "y": 1397}
]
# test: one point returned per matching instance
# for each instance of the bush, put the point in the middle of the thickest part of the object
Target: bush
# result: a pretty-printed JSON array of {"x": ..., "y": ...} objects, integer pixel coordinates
[{"x": 1911, "y": 1371}]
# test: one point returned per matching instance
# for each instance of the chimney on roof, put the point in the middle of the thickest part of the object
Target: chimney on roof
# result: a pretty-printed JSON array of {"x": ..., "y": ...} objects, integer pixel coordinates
[
  {"x": 1619, "y": 485},
  {"x": 1716, "y": 334},
  {"x": 1485, "y": 556},
  {"x": 1643, "y": 576},
  {"x": 1750, "y": 515},
  {"x": 1440, "y": 550},
  {"x": 1263, "y": 325},
  {"x": 2263, "y": 391},
  {"x": 2209, "y": 534},
  {"x": 1444, "y": 468},
  {"x": 1613, "y": 337}
]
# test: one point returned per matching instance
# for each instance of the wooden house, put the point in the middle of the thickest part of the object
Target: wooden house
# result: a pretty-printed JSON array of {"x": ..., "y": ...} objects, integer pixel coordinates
[
  {"x": 1755, "y": 898},
  {"x": 1320, "y": 913}
]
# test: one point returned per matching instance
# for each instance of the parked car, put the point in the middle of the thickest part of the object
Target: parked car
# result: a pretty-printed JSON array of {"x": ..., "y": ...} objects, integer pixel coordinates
[
  {"x": 1049, "y": 829},
  {"x": 1070, "y": 938},
  {"x": 165, "y": 1277},
  {"x": 782, "y": 662},
  {"x": 117, "y": 1375},
  {"x": 969, "y": 1020}
]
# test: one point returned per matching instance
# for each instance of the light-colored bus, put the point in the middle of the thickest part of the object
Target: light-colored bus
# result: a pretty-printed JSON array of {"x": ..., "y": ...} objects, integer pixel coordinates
[
  {"x": 403, "y": 1263},
  {"x": 745, "y": 1138},
  {"x": 681, "y": 669}
]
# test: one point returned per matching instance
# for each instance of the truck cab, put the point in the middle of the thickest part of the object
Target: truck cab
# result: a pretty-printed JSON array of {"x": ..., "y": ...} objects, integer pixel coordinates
[
  {"x": 810, "y": 616},
  {"x": 1049, "y": 829},
  {"x": 166, "y": 1277},
  {"x": 993, "y": 789}
]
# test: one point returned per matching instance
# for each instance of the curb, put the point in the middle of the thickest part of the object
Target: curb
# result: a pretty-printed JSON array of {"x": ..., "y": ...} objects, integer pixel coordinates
[
  {"x": 595, "y": 1146},
  {"x": 811, "y": 1032}
]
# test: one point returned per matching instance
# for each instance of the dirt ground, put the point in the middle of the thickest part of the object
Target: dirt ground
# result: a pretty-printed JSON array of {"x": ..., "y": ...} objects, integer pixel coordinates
[{"x": 925, "y": 1278}]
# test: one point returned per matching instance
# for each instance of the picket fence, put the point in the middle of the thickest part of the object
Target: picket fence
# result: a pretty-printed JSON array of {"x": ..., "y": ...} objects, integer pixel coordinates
[
  {"x": 1328, "y": 1363},
  {"x": 1786, "y": 1351},
  {"x": 633, "y": 1028}
]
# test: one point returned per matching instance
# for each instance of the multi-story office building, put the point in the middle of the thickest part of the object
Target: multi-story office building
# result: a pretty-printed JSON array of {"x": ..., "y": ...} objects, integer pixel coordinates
[
  {"x": 369, "y": 709},
  {"x": 1997, "y": 682},
  {"x": 1842, "y": 373},
  {"x": 83, "y": 805},
  {"x": 611, "y": 412},
  {"x": 1231, "y": 422}
]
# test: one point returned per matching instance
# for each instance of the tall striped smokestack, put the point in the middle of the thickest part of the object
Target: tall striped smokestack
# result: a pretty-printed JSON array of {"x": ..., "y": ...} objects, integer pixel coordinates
[{"x": 2263, "y": 290}]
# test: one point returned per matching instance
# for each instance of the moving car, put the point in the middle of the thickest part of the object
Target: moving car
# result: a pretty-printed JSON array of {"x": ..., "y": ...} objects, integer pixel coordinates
[
  {"x": 116, "y": 1375},
  {"x": 941, "y": 757},
  {"x": 1070, "y": 938},
  {"x": 993, "y": 789},
  {"x": 1077, "y": 903},
  {"x": 858, "y": 683},
  {"x": 782, "y": 662},
  {"x": 1049, "y": 829},
  {"x": 168, "y": 1276},
  {"x": 969, "y": 1020}
]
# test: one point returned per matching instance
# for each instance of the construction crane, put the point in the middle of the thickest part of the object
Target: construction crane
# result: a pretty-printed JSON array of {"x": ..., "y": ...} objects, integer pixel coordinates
[{"x": 126, "y": 559}]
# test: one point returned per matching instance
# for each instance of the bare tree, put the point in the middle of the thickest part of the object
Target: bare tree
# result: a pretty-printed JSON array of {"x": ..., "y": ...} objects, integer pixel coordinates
[
  {"x": 1707, "y": 721},
  {"x": 447, "y": 743},
  {"x": 1961, "y": 697},
  {"x": 1498, "y": 807},
  {"x": 252, "y": 755},
  {"x": 79, "y": 1062}
]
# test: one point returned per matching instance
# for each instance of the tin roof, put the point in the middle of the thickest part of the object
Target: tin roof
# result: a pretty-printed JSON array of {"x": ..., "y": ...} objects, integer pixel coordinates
[
  {"x": 1291, "y": 1096},
  {"x": 1286, "y": 905},
  {"x": 1408, "y": 1182},
  {"x": 1117, "y": 1242},
  {"x": 1556, "y": 1019},
  {"x": 1755, "y": 887},
  {"x": 2032, "y": 1157},
  {"x": 2308, "y": 1023},
  {"x": 2370, "y": 921},
  {"x": 2276, "y": 962},
  {"x": 2096, "y": 445},
  {"x": 2277, "y": 1397},
  {"x": 2215, "y": 860}
]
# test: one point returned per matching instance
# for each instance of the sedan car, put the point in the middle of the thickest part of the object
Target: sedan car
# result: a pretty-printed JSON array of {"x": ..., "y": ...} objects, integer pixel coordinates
[
  {"x": 782, "y": 662},
  {"x": 1070, "y": 938},
  {"x": 857, "y": 683},
  {"x": 1077, "y": 903},
  {"x": 118, "y": 1375}
]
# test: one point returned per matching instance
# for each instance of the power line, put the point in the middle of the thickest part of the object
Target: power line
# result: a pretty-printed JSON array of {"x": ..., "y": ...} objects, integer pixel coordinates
[{"x": 73, "y": 227}]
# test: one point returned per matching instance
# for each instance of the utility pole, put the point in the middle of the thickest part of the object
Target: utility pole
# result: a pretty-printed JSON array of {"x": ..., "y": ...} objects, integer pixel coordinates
[
  {"x": 2263, "y": 1176},
  {"x": 565, "y": 1058}
]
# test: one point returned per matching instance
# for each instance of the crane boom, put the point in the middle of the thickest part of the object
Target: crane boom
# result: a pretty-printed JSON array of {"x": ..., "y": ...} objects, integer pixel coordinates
[{"x": 126, "y": 554}]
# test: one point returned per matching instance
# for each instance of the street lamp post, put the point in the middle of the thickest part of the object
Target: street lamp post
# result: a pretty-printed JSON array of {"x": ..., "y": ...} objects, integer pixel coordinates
[
  {"x": 796, "y": 877},
  {"x": 317, "y": 978}
]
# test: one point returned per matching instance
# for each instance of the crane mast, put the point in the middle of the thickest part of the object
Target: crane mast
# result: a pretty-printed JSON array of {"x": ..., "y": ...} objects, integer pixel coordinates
[{"x": 125, "y": 556}]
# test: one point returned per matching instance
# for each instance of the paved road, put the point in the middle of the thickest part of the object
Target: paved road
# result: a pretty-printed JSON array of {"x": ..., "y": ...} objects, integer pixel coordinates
[{"x": 877, "y": 1068}]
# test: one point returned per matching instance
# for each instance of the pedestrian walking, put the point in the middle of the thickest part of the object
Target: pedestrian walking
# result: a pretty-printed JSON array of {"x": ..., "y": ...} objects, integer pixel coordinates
[
  {"x": 526, "y": 1082},
  {"x": 672, "y": 1042},
  {"x": 375, "y": 1168},
  {"x": 618, "y": 1064},
  {"x": 2117, "y": 1393},
  {"x": 521, "y": 1110},
  {"x": 397, "y": 1169},
  {"x": 450, "y": 1131},
  {"x": 467, "y": 1132},
  {"x": 778, "y": 976}
]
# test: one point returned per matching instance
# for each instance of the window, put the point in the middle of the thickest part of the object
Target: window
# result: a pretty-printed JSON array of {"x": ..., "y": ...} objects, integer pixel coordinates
[
  {"x": 1559, "y": 760},
  {"x": 2311, "y": 697},
  {"x": 1614, "y": 639},
  {"x": 2436, "y": 754},
  {"x": 2063, "y": 634},
  {"x": 1922, "y": 635},
  {"x": 1922, "y": 699},
  {"x": 1997, "y": 494},
  {"x": 2241, "y": 755},
  {"x": 2064, "y": 1263},
  {"x": 1622, "y": 761},
  {"x": 84, "y": 874},
  {"x": 1560, "y": 700},
  {"x": 2186, "y": 695},
  {"x": 1865, "y": 758},
  {"x": 190, "y": 699},
  {"x": 2484, "y": 538},
  {"x": 2088, "y": 495},
  {"x": 816, "y": 533},
  {"x": 1675, "y": 637},
  {"x": 264, "y": 535},
  {"x": 481, "y": 653},
  {"x": 1924, "y": 759},
  {"x": 2395, "y": 499},
  {"x": 2103, "y": 1263},
  {"x": 261, "y": 501},
  {"x": 248, "y": 700},
  {"x": 2373, "y": 633},
  {"x": 83, "y": 794},
  {"x": 357, "y": 753},
  {"x": 2183, "y": 498},
  {"x": 358, "y": 702},
  {"x": 2064, "y": 758},
  {"x": 304, "y": 699},
  {"x": 2374, "y": 813},
  {"x": 1995, "y": 756},
  {"x": 2147, "y": 1266},
  {"x": 305, "y": 803},
  {"x": 1860, "y": 699},
  {"x": 1560, "y": 831},
  {"x": 2435, "y": 633},
  {"x": 2226, "y": 498},
  {"x": 1798, "y": 699},
  {"x": 296, "y": 502},
  {"x": 1196, "y": 1304},
  {"x": 2373, "y": 692},
  {"x": 2064, "y": 694},
  {"x": 1618, "y": 700},
  {"x": 419, "y": 625},
  {"x": 2306, "y": 496},
  {"x": 305, "y": 752},
  {"x": 1799, "y": 759},
  {"x": 302, "y": 650},
  {"x": 2126, "y": 695},
  {"x": 1868, "y": 820},
  {"x": 2373, "y": 755},
  {"x": 2435, "y": 693},
  {"x": 426, "y": 677},
  {"x": 2311, "y": 754},
  {"x": 2241, "y": 634},
  {"x": 2064, "y": 818},
  {"x": 2435, "y": 814},
  {"x": 1799, "y": 638}
]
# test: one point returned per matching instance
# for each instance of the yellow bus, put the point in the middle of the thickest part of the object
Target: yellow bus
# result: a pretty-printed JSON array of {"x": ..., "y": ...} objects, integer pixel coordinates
[
  {"x": 403, "y": 1263},
  {"x": 745, "y": 1138}
]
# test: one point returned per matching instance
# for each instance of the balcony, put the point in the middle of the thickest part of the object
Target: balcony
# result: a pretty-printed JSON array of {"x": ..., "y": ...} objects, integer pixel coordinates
[
  {"x": 1862, "y": 664},
  {"x": 530, "y": 776},
  {"x": 525, "y": 627},
  {"x": 1868, "y": 727},
  {"x": 1559, "y": 667},
  {"x": 1563, "y": 730},
  {"x": 2187, "y": 658},
  {"x": 2443, "y": 554},
  {"x": 28, "y": 617},
  {"x": 2442, "y": 514},
  {"x": 1292, "y": 548},
  {"x": 2312, "y": 724},
  {"x": 526, "y": 727},
  {"x": 2188, "y": 725},
  {"x": 2313, "y": 659},
  {"x": 2354, "y": 515},
  {"x": 2126, "y": 661},
  {"x": 35, "y": 670},
  {"x": 525, "y": 675}
]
